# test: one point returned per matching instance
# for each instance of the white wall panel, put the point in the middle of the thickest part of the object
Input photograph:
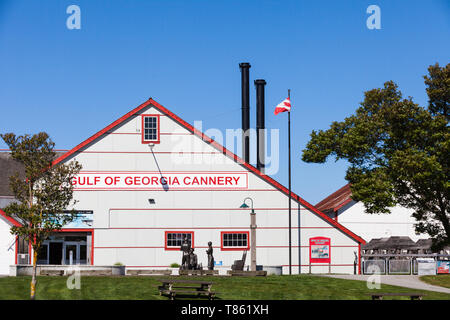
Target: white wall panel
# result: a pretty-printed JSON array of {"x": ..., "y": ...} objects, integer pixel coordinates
[
  {"x": 398, "y": 223},
  {"x": 7, "y": 247}
]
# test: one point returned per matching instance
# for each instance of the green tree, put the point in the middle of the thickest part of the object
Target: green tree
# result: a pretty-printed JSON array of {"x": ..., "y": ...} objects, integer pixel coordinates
[
  {"x": 398, "y": 153},
  {"x": 42, "y": 195}
]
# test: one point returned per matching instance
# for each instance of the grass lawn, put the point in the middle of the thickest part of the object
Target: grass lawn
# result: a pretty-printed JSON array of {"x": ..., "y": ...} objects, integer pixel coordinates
[
  {"x": 298, "y": 287},
  {"x": 442, "y": 280}
]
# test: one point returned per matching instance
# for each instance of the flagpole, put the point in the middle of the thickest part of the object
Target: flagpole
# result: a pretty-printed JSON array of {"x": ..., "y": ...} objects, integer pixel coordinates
[{"x": 289, "y": 147}]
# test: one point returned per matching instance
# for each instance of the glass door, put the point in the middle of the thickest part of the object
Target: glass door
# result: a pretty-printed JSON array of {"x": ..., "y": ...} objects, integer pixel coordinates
[
  {"x": 55, "y": 254},
  {"x": 83, "y": 253},
  {"x": 42, "y": 257},
  {"x": 75, "y": 252},
  {"x": 71, "y": 253}
]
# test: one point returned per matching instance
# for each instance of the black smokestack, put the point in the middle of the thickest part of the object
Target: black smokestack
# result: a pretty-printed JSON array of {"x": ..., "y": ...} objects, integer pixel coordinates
[
  {"x": 260, "y": 126},
  {"x": 245, "y": 110}
]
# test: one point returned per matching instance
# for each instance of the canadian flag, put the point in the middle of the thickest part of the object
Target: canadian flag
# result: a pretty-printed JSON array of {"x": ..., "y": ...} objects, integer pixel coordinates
[{"x": 283, "y": 106}]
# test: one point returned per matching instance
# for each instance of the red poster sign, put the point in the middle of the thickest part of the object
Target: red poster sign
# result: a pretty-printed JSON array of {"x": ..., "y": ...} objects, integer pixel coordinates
[
  {"x": 319, "y": 250},
  {"x": 443, "y": 267}
]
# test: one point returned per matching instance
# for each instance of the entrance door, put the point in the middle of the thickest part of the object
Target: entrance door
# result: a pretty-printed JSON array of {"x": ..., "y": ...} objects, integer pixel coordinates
[
  {"x": 56, "y": 252},
  {"x": 71, "y": 249},
  {"x": 83, "y": 253},
  {"x": 42, "y": 257}
]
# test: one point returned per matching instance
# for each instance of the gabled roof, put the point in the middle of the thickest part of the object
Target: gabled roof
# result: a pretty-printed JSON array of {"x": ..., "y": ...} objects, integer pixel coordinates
[
  {"x": 375, "y": 243},
  {"x": 8, "y": 167},
  {"x": 150, "y": 102},
  {"x": 336, "y": 200},
  {"x": 394, "y": 242},
  {"x": 423, "y": 244}
]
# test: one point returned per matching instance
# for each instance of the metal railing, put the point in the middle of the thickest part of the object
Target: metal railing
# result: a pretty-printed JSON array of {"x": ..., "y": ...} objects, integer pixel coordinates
[
  {"x": 399, "y": 266},
  {"x": 399, "y": 263},
  {"x": 374, "y": 267}
]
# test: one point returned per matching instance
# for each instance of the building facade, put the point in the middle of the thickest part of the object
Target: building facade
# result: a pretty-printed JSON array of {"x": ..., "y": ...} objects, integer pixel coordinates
[{"x": 150, "y": 179}]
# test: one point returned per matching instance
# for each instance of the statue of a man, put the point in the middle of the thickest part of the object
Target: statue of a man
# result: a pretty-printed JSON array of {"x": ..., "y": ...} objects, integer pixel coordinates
[
  {"x": 209, "y": 252},
  {"x": 193, "y": 261},
  {"x": 185, "y": 247}
]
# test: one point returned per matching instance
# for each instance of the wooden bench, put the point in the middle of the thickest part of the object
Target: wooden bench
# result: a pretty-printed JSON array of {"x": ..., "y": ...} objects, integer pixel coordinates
[
  {"x": 173, "y": 287},
  {"x": 413, "y": 296}
]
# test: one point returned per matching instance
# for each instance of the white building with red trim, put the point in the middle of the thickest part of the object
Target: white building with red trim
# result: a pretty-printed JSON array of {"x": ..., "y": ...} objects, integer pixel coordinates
[
  {"x": 8, "y": 243},
  {"x": 351, "y": 214},
  {"x": 150, "y": 178}
]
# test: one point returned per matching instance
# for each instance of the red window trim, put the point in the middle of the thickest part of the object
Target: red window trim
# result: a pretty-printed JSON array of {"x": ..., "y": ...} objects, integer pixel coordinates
[
  {"x": 177, "y": 231},
  {"x": 157, "y": 129},
  {"x": 234, "y": 248}
]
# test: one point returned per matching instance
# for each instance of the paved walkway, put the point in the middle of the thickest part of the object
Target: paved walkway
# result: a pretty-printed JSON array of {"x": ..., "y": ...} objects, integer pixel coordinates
[{"x": 410, "y": 281}]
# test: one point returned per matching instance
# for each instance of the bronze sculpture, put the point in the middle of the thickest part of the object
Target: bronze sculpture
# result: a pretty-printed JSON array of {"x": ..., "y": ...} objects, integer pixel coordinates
[
  {"x": 193, "y": 261},
  {"x": 190, "y": 259},
  {"x": 186, "y": 248},
  {"x": 209, "y": 252}
]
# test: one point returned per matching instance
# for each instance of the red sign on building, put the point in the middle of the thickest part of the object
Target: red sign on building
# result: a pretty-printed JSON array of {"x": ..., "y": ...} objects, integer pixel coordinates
[
  {"x": 319, "y": 250},
  {"x": 443, "y": 267}
]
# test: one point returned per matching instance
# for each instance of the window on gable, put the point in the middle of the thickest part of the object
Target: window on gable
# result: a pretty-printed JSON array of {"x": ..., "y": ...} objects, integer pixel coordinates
[{"x": 150, "y": 128}]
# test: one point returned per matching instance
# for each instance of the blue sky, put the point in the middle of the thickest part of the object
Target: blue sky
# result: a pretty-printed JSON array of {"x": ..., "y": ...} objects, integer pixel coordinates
[{"x": 185, "y": 54}]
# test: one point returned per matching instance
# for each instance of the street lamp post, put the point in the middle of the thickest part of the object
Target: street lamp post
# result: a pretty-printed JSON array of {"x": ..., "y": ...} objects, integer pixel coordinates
[{"x": 252, "y": 234}]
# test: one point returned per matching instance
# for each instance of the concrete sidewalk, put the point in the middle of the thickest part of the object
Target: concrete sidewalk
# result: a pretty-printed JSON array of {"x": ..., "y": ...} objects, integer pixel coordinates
[{"x": 410, "y": 281}]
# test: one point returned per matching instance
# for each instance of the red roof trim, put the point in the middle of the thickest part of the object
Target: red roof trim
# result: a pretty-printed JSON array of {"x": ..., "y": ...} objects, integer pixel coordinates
[
  {"x": 11, "y": 220},
  {"x": 218, "y": 147}
]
